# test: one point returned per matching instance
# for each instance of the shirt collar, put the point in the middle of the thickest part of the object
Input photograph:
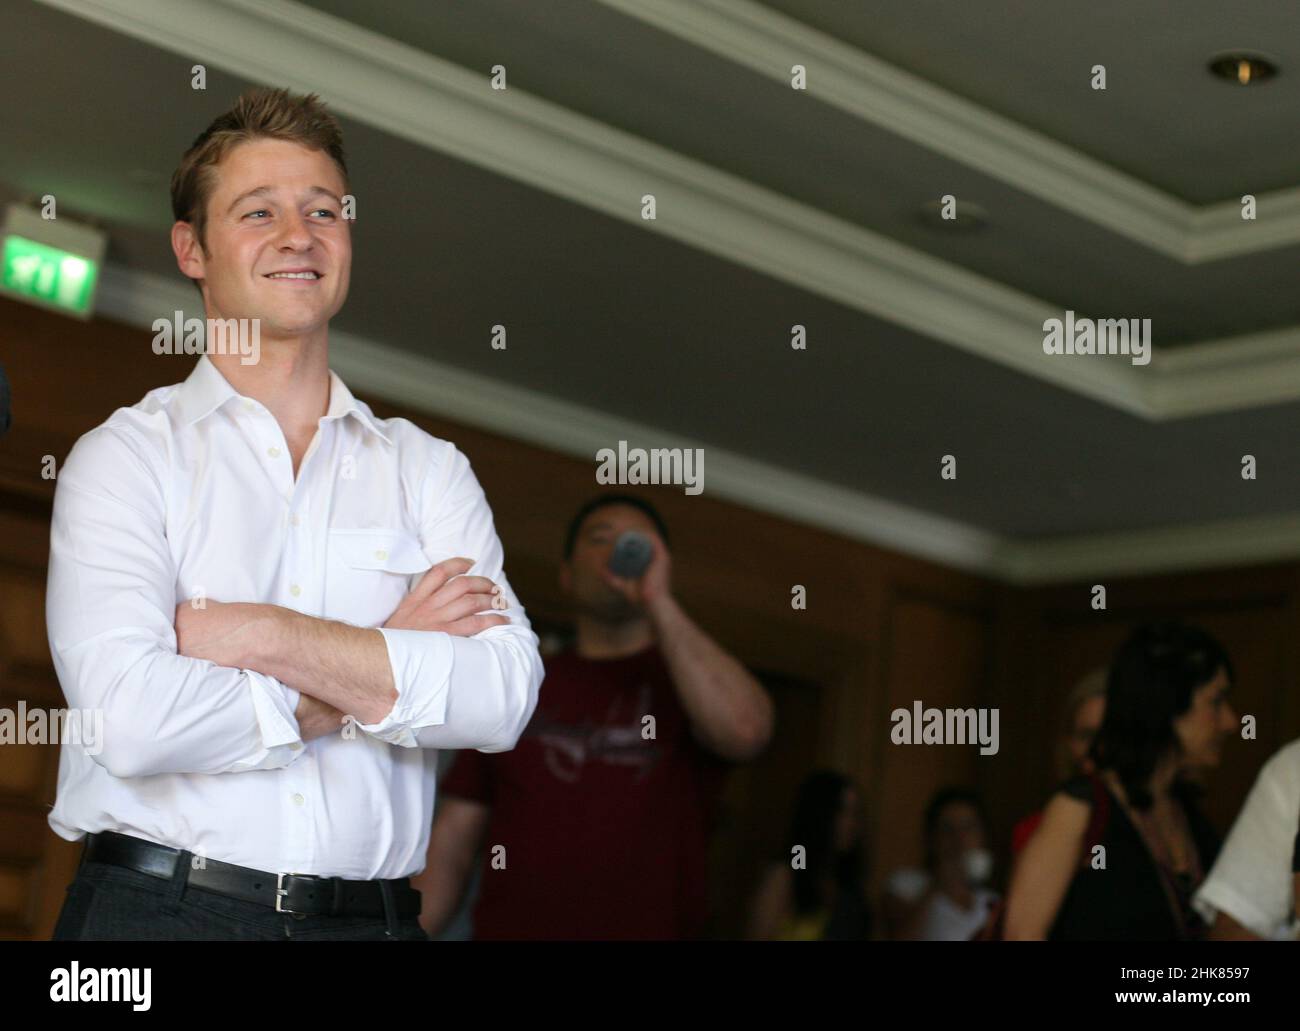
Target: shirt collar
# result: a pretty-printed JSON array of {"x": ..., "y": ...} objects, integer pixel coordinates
[
  {"x": 206, "y": 389},
  {"x": 343, "y": 403}
]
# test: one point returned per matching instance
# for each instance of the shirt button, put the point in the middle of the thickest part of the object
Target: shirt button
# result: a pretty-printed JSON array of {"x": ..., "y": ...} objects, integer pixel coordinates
[
  {"x": 296, "y": 746},
  {"x": 298, "y": 799},
  {"x": 274, "y": 452},
  {"x": 294, "y": 520},
  {"x": 249, "y": 405},
  {"x": 295, "y": 590},
  {"x": 381, "y": 554}
]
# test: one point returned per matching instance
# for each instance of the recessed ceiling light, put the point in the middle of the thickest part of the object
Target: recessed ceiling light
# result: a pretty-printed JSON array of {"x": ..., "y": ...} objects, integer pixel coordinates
[
  {"x": 969, "y": 217},
  {"x": 1243, "y": 68}
]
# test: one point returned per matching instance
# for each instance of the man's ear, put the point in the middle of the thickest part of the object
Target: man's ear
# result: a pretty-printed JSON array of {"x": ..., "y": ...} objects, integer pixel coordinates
[{"x": 189, "y": 252}]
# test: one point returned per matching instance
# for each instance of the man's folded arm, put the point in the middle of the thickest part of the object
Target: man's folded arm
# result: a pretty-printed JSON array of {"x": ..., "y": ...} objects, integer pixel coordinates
[
  {"x": 422, "y": 688},
  {"x": 462, "y": 692},
  {"x": 110, "y": 605}
]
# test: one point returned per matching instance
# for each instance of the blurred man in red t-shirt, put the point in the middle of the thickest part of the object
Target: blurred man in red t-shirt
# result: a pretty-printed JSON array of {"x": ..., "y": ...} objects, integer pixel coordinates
[{"x": 595, "y": 826}]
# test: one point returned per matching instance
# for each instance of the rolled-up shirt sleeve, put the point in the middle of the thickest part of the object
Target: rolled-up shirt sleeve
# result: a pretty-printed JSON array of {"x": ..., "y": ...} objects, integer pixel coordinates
[
  {"x": 1250, "y": 880},
  {"x": 110, "y": 607},
  {"x": 462, "y": 692}
]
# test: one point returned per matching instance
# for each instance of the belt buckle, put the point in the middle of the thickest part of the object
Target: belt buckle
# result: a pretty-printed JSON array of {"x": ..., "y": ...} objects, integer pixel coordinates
[{"x": 281, "y": 891}]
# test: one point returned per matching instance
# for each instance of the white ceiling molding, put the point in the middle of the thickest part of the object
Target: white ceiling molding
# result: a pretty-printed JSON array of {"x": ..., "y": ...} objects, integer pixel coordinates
[
  {"x": 769, "y": 43},
  {"x": 443, "y": 107},
  {"x": 426, "y": 385},
  {"x": 1220, "y": 232},
  {"x": 1166, "y": 549},
  {"x": 1225, "y": 375}
]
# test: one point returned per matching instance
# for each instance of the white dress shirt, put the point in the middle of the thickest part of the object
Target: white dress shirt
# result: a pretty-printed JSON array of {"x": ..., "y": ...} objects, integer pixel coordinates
[
  {"x": 191, "y": 494},
  {"x": 1251, "y": 880}
]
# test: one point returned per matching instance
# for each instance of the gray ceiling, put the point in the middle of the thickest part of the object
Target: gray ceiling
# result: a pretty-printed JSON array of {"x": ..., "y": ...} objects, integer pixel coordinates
[
  {"x": 1161, "y": 117},
  {"x": 617, "y": 318}
]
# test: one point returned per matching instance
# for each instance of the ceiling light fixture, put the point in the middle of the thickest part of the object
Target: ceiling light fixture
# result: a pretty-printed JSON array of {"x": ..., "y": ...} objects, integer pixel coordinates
[{"x": 1242, "y": 68}]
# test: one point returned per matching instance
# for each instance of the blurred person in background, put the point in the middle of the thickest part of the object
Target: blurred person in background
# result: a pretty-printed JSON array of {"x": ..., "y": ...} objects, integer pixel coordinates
[
  {"x": 1085, "y": 706},
  {"x": 814, "y": 891},
  {"x": 1122, "y": 849},
  {"x": 596, "y": 825},
  {"x": 948, "y": 900},
  {"x": 1250, "y": 893}
]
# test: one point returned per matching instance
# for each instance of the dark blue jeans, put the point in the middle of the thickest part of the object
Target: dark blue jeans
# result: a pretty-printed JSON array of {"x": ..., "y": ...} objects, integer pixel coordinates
[{"x": 112, "y": 903}]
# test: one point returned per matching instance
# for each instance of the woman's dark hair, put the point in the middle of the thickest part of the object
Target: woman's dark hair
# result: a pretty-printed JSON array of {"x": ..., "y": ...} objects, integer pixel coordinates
[
  {"x": 816, "y": 809},
  {"x": 939, "y": 801},
  {"x": 1152, "y": 680}
]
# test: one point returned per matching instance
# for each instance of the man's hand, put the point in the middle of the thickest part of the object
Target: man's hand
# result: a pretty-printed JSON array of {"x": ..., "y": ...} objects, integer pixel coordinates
[
  {"x": 650, "y": 587},
  {"x": 316, "y": 718},
  {"x": 447, "y": 600},
  {"x": 221, "y": 632}
]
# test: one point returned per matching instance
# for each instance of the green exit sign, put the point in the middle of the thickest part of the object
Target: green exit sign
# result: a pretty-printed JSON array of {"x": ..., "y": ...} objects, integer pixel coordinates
[
  {"x": 48, "y": 275},
  {"x": 54, "y": 262}
]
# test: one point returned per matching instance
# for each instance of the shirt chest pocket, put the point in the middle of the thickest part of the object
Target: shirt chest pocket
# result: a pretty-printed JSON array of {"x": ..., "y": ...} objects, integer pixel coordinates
[{"x": 370, "y": 571}]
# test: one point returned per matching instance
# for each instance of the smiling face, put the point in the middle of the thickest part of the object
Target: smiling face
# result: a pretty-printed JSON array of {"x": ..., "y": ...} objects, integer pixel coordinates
[{"x": 277, "y": 246}]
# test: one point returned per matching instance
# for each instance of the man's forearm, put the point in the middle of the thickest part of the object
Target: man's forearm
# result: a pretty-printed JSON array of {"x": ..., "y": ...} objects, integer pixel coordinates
[
  {"x": 342, "y": 665},
  {"x": 728, "y": 707}
]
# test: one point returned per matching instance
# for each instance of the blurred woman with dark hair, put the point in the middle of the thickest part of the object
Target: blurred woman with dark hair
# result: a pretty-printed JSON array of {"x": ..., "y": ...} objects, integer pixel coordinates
[
  {"x": 1122, "y": 848},
  {"x": 814, "y": 891},
  {"x": 949, "y": 899}
]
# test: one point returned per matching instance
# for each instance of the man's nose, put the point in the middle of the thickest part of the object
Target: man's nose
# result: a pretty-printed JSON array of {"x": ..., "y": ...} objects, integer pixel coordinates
[{"x": 295, "y": 233}]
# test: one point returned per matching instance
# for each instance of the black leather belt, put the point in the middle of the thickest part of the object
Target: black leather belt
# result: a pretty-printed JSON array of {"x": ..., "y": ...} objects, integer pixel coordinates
[{"x": 303, "y": 894}]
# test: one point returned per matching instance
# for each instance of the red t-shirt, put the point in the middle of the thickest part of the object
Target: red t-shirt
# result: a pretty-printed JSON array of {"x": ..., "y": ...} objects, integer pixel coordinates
[{"x": 605, "y": 829}]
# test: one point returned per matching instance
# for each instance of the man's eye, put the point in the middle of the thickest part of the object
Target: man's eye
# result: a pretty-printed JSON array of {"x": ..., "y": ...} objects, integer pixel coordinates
[
  {"x": 324, "y": 211},
  {"x": 259, "y": 211}
]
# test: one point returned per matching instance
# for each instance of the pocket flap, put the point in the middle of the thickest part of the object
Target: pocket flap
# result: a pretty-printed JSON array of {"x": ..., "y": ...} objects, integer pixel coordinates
[{"x": 394, "y": 551}]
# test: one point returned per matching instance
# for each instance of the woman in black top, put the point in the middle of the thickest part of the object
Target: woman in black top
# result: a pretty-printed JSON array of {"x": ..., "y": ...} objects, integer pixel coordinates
[{"x": 1120, "y": 853}]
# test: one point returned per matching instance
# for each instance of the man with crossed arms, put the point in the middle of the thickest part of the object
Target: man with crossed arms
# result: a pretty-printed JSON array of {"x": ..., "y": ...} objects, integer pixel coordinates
[{"x": 222, "y": 553}]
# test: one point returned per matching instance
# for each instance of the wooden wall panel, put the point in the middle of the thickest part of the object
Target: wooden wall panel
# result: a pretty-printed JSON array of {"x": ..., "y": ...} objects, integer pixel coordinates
[{"x": 937, "y": 654}]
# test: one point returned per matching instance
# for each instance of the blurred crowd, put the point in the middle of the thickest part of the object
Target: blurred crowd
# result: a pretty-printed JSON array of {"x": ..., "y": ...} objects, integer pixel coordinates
[{"x": 597, "y": 824}]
